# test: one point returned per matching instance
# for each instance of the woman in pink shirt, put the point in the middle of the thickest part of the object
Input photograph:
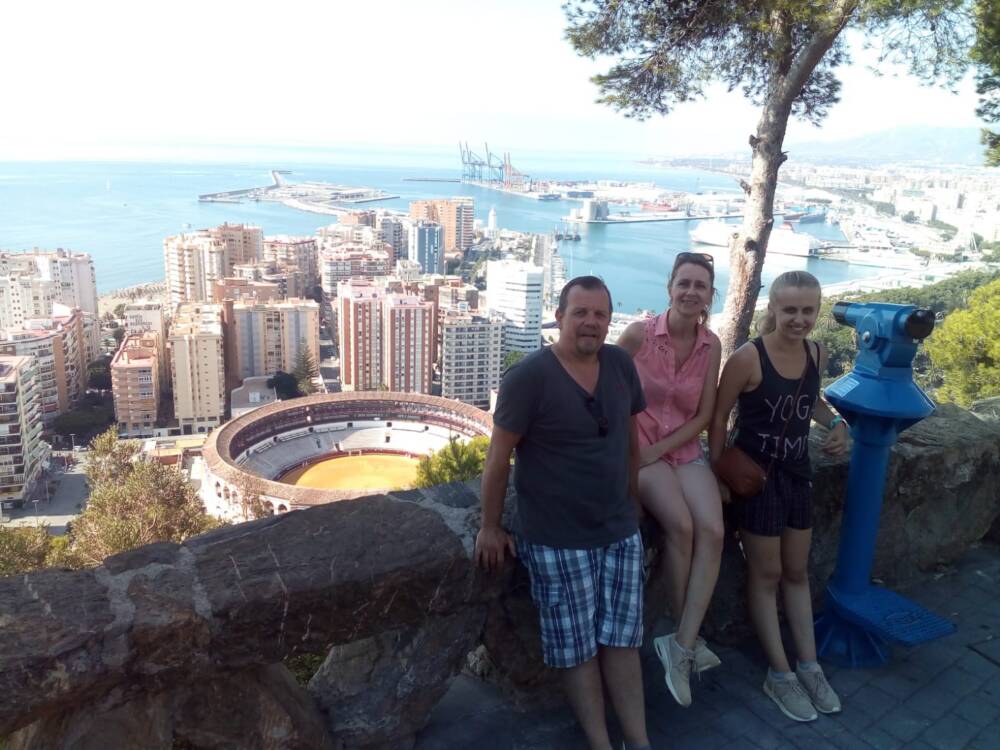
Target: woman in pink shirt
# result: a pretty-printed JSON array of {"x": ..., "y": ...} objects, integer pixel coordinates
[{"x": 677, "y": 357}]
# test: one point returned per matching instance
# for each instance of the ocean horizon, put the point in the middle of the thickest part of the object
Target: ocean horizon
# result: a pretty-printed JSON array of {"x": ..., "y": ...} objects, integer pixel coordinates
[{"x": 120, "y": 212}]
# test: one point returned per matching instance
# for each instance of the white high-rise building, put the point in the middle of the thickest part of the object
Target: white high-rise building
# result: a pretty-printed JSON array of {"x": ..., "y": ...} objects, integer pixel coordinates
[
  {"x": 24, "y": 297},
  {"x": 491, "y": 224},
  {"x": 514, "y": 289},
  {"x": 471, "y": 355},
  {"x": 32, "y": 282},
  {"x": 73, "y": 277}
]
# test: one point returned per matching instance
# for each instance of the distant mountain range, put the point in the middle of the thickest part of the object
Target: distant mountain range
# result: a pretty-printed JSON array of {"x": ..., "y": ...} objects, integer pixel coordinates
[{"x": 908, "y": 144}]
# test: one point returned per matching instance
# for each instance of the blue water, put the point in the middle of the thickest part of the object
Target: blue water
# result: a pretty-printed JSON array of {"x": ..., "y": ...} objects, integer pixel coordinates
[{"x": 120, "y": 213}]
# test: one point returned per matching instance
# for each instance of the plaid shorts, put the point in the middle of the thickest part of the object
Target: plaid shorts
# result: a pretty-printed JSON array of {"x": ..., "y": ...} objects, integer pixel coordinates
[
  {"x": 585, "y": 597},
  {"x": 785, "y": 503}
]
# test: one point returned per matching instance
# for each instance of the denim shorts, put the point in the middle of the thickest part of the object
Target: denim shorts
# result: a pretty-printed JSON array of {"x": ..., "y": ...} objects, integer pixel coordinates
[{"x": 585, "y": 597}]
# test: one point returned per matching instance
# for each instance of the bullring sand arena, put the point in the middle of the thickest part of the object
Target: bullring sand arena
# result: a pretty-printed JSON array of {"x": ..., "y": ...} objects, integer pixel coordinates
[
  {"x": 329, "y": 447},
  {"x": 364, "y": 472}
]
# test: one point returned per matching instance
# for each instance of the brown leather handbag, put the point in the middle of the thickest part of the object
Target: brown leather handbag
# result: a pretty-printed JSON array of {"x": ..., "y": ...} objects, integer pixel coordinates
[
  {"x": 739, "y": 472},
  {"x": 742, "y": 474}
]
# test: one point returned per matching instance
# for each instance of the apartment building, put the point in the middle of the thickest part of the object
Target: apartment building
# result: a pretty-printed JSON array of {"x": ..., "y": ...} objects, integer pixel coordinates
[
  {"x": 351, "y": 261},
  {"x": 294, "y": 252},
  {"x": 24, "y": 296},
  {"x": 70, "y": 275},
  {"x": 22, "y": 451},
  {"x": 359, "y": 334},
  {"x": 245, "y": 290},
  {"x": 514, "y": 289},
  {"x": 193, "y": 262},
  {"x": 197, "y": 365},
  {"x": 426, "y": 246},
  {"x": 148, "y": 316},
  {"x": 269, "y": 335},
  {"x": 73, "y": 276},
  {"x": 58, "y": 347},
  {"x": 408, "y": 331},
  {"x": 395, "y": 233},
  {"x": 289, "y": 281},
  {"x": 471, "y": 355},
  {"x": 456, "y": 217},
  {"x": 135, "y": 384}
]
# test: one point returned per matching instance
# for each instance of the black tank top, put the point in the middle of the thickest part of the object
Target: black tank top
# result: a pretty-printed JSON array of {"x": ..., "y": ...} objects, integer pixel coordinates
[{"x": 764, "y": 410}]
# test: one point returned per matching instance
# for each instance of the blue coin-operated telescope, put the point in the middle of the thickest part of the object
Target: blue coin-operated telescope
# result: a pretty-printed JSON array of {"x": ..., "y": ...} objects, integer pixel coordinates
[{"x": 879, "y": 400}]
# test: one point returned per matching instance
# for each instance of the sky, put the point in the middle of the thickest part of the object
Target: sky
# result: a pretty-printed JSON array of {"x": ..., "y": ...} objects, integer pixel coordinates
[{"x": 110, "y": 79}]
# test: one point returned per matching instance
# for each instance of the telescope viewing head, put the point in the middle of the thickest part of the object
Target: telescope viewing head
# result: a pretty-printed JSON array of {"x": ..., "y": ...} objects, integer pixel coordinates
[{"x": 887, "y": 335}]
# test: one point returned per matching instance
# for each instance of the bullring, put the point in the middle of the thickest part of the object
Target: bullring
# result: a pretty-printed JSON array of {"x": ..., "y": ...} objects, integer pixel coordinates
[{"x": 249, "y": 454}]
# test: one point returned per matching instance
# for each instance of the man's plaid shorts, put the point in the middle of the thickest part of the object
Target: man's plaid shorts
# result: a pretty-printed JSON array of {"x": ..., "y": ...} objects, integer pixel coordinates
[{"x": 585, "y": 597}]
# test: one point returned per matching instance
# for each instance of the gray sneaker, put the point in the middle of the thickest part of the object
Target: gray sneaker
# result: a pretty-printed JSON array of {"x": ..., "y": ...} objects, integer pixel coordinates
[
  {"x": 823, "y": 697},
  {"x": 678, "y": 664},
  {"x": 704, "y": 657},
  {"x": 791, "y": 698}
]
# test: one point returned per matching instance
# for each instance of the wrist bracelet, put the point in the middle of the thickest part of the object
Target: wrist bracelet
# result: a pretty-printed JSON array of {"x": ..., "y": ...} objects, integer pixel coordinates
[{"x": 835, "y": 421}]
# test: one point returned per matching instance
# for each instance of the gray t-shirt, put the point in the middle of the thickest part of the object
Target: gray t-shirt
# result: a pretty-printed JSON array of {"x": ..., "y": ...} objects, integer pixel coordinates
[{"x": 572, "y": 464}]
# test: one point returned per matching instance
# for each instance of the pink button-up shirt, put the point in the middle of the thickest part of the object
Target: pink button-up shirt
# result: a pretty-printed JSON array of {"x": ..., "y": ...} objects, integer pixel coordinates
[{"x": 672, "y": 395}]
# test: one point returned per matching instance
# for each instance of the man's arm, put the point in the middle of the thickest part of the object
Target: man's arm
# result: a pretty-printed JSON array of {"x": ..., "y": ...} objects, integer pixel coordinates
[
  {"x": 492, "y": 539},
  {"x": 633, "y": 462}
]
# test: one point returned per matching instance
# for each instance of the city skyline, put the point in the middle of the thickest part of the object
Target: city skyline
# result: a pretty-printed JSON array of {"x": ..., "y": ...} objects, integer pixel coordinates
[{"x": 286, "y": 80}]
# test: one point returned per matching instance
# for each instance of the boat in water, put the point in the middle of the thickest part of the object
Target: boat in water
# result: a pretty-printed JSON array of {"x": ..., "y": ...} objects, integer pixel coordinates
[
  {"x": 659, "y": 207},
  {"x": 784, "y": 239}
]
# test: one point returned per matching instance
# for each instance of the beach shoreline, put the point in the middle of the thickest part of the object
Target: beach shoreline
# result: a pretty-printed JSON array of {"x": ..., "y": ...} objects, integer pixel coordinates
[{"x": 154, "y": 291}]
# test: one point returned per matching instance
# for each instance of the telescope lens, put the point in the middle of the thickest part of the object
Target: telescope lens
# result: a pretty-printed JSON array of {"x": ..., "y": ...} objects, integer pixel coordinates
[
  {"x": 920, "y": 323},
  {"x": 840, "y": 312}
]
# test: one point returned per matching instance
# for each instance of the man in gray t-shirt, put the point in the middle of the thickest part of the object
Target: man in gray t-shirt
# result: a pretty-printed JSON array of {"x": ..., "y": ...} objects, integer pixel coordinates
[{"x": 569, "y": 413}]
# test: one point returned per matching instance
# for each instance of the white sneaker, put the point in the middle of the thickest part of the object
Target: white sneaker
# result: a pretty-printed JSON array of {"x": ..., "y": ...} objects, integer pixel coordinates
[
  {"x": 823, "y": 697},
  {"x": 704, "y": 657},
  {"x": 791, "y": 698},
  {"x": 678, "y": 663}
]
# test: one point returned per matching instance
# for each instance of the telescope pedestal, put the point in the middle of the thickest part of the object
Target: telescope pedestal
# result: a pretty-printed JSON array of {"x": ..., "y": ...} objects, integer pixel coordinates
[{"x": 861, "y": 620}]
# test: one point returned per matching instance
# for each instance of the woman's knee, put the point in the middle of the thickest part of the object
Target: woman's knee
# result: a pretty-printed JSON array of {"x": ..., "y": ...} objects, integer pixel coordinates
[
  {"x": 795, "y": 575},
  {"x": 765, "y": 575},
  {"x": 679, "y": 528},
  {"x": 711, "y": 534}
]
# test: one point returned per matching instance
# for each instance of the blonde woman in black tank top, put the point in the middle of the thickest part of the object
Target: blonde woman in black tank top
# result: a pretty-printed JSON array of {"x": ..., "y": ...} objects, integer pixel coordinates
[{"x": 776, "y": 526}]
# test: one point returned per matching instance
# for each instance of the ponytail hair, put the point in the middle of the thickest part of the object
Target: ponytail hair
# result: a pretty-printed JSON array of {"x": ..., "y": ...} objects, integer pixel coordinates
[{"x": 796, "y": 279}]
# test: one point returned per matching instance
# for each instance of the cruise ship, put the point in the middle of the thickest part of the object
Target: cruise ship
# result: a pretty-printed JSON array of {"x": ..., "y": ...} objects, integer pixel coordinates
[{"x": 784, "y": 240}]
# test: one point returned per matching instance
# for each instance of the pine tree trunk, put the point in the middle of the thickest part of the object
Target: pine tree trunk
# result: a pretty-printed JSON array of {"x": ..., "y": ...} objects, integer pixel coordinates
[{"x": 747, "y": 248}]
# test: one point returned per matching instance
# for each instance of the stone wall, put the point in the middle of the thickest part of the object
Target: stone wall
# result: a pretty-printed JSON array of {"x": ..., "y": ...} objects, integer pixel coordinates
[{"x": 181, "y": 644}]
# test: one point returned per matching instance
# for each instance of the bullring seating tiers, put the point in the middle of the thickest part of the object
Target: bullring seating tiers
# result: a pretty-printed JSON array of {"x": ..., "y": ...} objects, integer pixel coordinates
[
  {"x": 258, "y": 447},
  {"x": 282, "y": 453}
]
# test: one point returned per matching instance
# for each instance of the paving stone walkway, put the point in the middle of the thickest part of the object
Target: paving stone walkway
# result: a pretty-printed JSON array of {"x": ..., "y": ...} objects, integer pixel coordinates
[{"x": 943, "y": 695}]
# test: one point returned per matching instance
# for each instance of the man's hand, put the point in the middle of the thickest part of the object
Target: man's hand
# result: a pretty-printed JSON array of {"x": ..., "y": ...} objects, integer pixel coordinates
[
  {"x": 490, "y": 545},
  {"x": 836, "y": 441}
]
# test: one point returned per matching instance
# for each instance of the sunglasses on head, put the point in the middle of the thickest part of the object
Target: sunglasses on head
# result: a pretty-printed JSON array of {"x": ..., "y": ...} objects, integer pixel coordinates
[
  {"x": 595, "y": 411},
  {"x": 689, "y": 256}
]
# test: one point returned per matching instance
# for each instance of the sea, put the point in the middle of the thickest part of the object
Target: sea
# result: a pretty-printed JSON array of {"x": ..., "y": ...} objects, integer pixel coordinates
[{"x": 119, "y": 212}]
